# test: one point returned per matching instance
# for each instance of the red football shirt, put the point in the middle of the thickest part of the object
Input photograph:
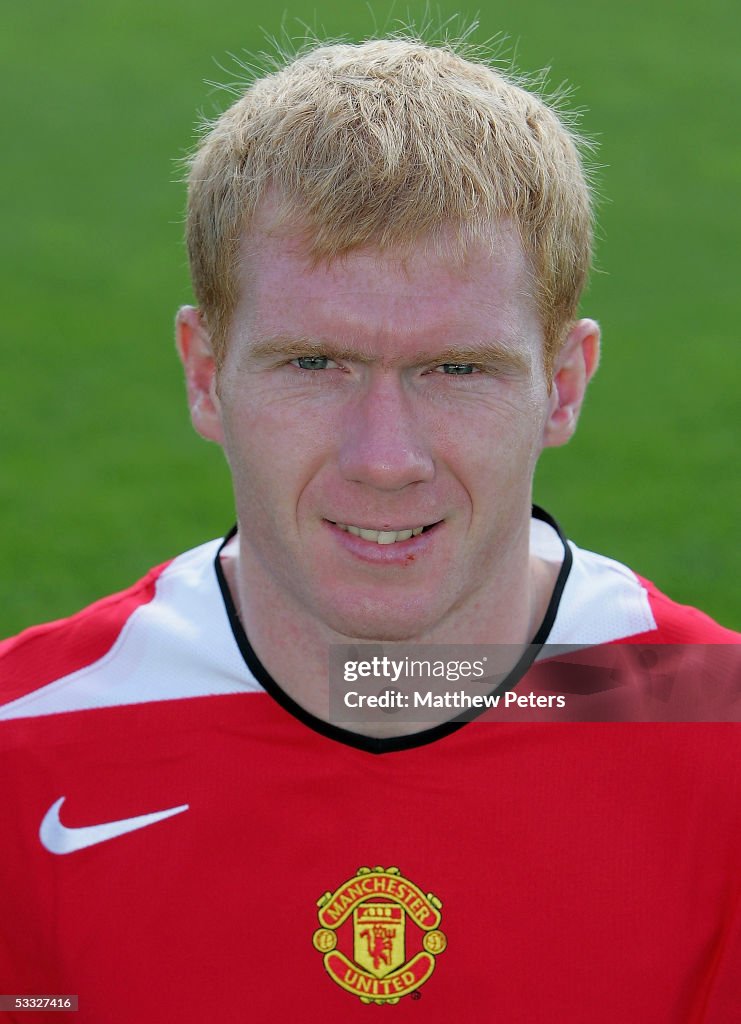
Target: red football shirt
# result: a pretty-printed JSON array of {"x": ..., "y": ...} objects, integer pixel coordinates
[{"x": 181, "y": 842}]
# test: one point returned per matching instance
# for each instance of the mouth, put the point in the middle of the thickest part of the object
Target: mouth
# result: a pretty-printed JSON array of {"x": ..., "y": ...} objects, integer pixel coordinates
[{"x": 384, "y": 536}]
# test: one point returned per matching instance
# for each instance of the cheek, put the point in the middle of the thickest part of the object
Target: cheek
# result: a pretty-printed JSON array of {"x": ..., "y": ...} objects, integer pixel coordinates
[
  {"x": 495, "y": 440},
  {"x": 274, "y": 452}
]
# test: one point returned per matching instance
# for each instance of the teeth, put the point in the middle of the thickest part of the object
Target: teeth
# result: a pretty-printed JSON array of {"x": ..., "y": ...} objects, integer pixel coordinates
[{"x": 382, "y": 536}]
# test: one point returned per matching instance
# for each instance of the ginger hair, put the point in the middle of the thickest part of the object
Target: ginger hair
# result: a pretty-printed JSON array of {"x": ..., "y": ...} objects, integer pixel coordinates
[{"x": 384, "y": 143}]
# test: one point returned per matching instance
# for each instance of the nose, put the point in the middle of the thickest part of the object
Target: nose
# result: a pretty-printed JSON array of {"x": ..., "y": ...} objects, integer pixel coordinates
[{"x": 384, "y": 443}]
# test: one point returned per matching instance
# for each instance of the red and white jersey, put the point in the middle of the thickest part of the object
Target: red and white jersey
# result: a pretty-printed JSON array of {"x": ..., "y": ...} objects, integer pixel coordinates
[{"x": 182, "y": 842}]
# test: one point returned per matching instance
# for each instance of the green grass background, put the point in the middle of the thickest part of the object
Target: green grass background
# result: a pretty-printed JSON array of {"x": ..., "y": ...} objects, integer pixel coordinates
[{"x": 101, "y": 474}]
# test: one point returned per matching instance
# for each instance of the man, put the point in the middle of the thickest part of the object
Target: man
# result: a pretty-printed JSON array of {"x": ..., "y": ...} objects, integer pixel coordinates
[{"x": 388, "y": 244}]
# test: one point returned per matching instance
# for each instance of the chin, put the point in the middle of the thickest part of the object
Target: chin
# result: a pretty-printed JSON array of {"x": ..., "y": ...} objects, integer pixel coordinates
[
  {"x": 383, "y": 632},
  {"x": 374, "y": 621}
]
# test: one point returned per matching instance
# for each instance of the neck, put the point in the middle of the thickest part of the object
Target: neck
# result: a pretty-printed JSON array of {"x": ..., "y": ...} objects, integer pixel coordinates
[{"x": 294, "y": 647}]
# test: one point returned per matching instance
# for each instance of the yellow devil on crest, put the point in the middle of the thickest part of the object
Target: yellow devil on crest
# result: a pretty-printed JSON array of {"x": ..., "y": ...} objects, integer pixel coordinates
[{"x": 378, "y": 930}]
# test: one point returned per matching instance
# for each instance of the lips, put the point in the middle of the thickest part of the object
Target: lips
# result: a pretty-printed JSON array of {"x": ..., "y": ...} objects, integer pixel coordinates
[{"x": 383, "y": 536}]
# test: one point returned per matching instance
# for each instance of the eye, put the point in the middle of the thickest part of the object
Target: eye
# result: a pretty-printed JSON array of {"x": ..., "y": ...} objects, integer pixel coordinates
[
  {"x": 314, "y": 363},
  {"x": 457, "y": 368}
]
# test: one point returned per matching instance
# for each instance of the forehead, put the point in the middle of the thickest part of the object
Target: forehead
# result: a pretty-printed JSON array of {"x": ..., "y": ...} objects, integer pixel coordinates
[{"x": 431, "y": 291}]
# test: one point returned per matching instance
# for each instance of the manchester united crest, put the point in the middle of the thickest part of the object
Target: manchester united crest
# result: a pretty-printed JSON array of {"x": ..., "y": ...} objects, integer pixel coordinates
[{"x": 379, "y": 934}]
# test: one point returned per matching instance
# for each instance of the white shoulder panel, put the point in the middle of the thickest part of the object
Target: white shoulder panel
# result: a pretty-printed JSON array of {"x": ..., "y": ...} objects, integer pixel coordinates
[
  {"x": 602, "y": 601},
  {"x": 178, "y": 645}
]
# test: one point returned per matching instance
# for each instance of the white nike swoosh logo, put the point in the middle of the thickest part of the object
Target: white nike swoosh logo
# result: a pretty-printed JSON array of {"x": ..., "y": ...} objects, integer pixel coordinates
[{"x": 58, "y": 838}]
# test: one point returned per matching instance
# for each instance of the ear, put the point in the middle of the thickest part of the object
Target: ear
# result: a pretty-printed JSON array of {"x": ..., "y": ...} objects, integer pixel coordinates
[
  {"x": 573, "y": 369},
  {"x": 196, "y": 354}
]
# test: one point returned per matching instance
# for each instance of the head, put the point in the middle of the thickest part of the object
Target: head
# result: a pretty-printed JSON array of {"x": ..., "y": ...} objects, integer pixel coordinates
[
  {"x": 383, "y": 144},
  {"x": 388, "y": 244}
]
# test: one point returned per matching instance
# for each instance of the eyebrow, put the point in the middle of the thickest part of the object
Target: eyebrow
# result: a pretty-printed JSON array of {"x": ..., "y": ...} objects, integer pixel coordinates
[{"x": 288, "y": 347}]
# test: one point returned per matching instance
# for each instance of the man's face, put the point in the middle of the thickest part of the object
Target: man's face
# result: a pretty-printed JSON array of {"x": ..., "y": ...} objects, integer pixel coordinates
[{"x": 383, "y": 395}]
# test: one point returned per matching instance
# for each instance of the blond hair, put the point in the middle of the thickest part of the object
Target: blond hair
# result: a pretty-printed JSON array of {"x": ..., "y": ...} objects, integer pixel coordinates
[{"x": 384, "y": 143}]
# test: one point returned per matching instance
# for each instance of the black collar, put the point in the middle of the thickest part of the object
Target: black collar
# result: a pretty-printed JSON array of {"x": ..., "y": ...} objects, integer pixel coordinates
[{"x": 373, "y": 744}]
